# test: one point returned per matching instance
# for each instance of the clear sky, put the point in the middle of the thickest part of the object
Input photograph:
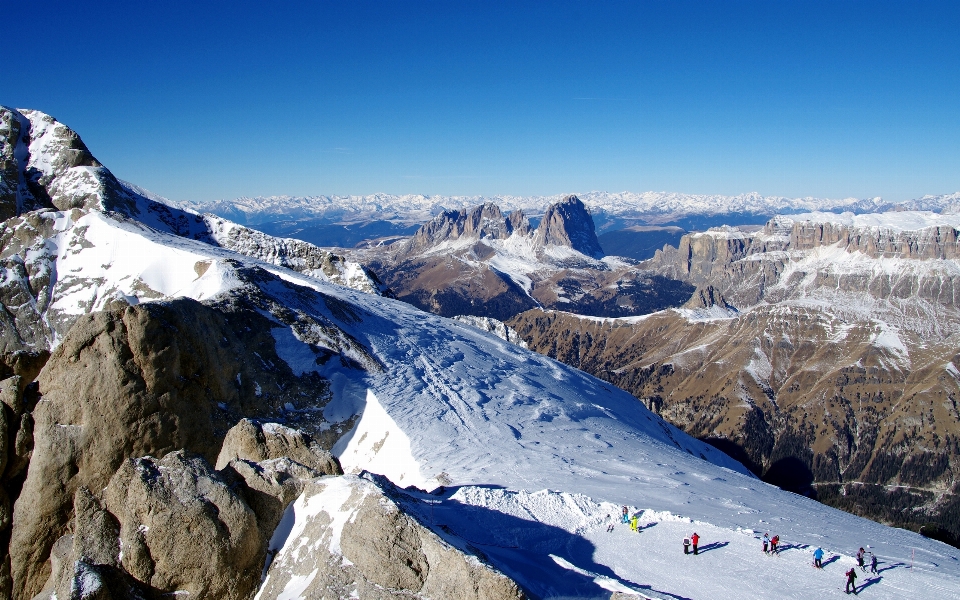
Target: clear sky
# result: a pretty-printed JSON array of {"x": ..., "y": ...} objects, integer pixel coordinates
[{"x": 201, "y": 102}]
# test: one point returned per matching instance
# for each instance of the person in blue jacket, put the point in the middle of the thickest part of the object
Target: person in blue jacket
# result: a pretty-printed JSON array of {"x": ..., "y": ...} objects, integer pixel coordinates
[{"x": 818, "y": 558}]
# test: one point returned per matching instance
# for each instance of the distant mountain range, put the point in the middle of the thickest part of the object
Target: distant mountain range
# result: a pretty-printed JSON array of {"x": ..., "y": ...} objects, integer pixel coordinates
[{"x": 347, "y": 220}]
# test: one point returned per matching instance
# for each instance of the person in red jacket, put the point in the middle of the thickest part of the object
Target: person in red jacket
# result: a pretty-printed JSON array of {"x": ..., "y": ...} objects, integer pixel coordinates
[{"x": 696, "y": 540}]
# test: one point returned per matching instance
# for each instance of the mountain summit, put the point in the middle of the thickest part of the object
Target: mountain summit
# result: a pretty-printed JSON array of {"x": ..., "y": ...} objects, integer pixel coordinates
[{"x": 568, "y": 223}]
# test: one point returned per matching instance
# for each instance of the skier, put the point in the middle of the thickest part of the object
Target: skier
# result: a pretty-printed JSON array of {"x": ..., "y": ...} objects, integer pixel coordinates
[
  {"x": 686, "y": 545},
  {"x": 873, "y": 563},
  {"x": 634, "y": 522},
  {"x": 773, "y": 544},
  {"x": 852, "y": 580},
  {"x": 609, "y": 523},
  {"x": 625, "y": 517},
  {"x": 766, "y": 542},
  {"x": 818, "y": 558},
  {"x": 860, "y": 555},
  {"x": 696, "y": 540}
]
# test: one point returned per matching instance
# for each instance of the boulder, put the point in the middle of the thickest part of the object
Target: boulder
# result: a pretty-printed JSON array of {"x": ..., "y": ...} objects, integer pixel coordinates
[
  {"x": 252, "y": 441},
  {"x": 184, "y": 528}
]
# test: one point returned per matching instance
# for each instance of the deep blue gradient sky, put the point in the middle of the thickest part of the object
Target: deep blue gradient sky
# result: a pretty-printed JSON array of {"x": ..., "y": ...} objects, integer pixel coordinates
[{"x": 831, "y": 99}]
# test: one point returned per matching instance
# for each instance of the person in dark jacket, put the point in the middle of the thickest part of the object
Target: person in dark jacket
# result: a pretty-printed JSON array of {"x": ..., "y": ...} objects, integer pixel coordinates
[
  {"x": 852, "y": 580},
  {"x": 873, "y": 563},
  {"x": 860, "y": 555}
]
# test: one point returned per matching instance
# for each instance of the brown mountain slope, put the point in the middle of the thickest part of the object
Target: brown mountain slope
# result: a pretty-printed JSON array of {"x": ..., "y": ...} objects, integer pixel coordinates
[
  {"x": 779, "y": 390},
  {"x": 838, "y": 375}
]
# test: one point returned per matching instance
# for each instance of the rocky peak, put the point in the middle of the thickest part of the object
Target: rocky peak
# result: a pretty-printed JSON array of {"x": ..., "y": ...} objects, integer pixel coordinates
[
  {"x": 484, "y": 221},
  {"x": 45, "y": 164},
  {"x": 567, "y": 223}
]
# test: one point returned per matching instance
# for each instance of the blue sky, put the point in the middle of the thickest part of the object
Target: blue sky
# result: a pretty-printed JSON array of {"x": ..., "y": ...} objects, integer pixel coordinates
[{"x": 830, "y": 99}]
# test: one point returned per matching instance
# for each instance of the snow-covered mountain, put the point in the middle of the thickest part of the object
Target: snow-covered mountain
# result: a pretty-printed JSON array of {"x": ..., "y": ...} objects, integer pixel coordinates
[
  {"x": 482, "y": 262},
  {"x": 527, "y": 458}
]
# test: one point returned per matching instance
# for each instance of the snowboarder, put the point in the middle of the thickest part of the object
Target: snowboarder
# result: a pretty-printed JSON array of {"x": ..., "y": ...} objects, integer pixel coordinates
[
  {"x": 625, "y": 516},
  {"x": 873, "y": 563},
  {"x": 818, "y": 558},
  {"x": 773, "y": 544},
  {"x": 634, "y": 522},
  {"x": 852, "y": 580},
  {"x": 696, "y": 540},
  {"x": 860, "y": 555},
  {"x": 686, "y": 545},
  {"x": 766, "y": 542}
]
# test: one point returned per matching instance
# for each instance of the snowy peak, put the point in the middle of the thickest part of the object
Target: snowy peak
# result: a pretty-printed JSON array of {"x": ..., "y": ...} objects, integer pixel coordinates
[
  {"x": 47, "y": 165},
  {"x": 567, "y": 223}
]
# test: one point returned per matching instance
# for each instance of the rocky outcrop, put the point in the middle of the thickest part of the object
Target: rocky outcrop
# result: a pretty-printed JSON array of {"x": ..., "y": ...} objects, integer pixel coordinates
[
  {"x": 139, "y": 381},
  {"x": 53, "y": 167},
  {"x": 294, "y": 254},
  {"x": 249, "y": 440},
  {"x": 706, "y": 297},
  {"x": 477, "y": 263},
  {"x": 374, "y": 546},
  {"x": 490, "y": 325},
  {"x": 567, "y": 223}
]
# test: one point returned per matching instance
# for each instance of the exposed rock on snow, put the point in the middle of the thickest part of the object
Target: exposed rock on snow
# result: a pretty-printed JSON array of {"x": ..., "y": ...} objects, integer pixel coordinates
[
  {"x": 497, "y": 328},
  {"x": 371, "y": 545}
]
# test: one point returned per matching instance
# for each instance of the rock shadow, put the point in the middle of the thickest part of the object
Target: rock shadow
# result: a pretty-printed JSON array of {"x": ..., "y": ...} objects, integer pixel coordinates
[{"x": 545, "y": 560}]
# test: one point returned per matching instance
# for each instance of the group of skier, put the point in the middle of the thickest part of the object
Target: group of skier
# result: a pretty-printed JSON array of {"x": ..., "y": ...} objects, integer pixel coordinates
[
  {"x": 770, "y": 545},
  {"x": 687, "y": 541}
]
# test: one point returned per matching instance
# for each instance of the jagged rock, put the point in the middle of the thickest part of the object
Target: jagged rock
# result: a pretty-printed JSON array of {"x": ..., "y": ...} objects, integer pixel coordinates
[
  {"x": 182, "y": 527},
  {"x": 389, "y": 552},
  {"x": 494, "y": 326},
  {"x": 252, "y": 441},
  {"x": 706, "y": 297},
  {"x": 567, "y": 223},
  {"x": 145, "y": 380},
  {"x": 485, "y": 221}
]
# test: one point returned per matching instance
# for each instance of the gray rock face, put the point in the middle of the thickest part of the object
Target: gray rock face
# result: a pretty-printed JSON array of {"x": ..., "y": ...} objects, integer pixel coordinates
[
  {"x": 144, "y": 380},
  {"x": 707, "y": 297},
  {"x": 252, "y": 441},
  {"x": 391, "y": 554},
  {"x": 749, "y": 268},
  {"x": 485, "y": 221},
  {"x": 567, "y": 223},
  {"x": 174, "y": 526},
  {"x": 182, "y": 527}
]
